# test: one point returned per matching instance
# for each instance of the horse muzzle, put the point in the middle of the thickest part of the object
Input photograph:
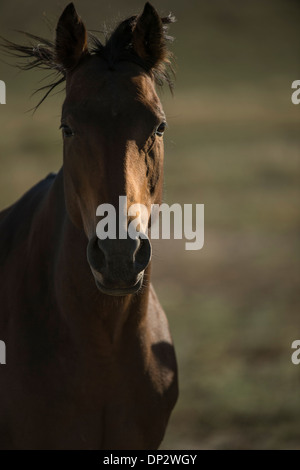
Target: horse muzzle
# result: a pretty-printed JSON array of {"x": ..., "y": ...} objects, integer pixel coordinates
[{"x": 118, "y": 265}]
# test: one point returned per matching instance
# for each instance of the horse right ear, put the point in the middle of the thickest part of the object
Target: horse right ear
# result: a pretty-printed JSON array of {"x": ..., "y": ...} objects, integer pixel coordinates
[
  {"x": 71, "y": 39},
  {"x": 150, "y": 37}
]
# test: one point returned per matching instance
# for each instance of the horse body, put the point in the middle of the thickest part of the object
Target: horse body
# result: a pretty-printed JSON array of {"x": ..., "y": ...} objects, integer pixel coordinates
[{"x": 85, "y": 370}]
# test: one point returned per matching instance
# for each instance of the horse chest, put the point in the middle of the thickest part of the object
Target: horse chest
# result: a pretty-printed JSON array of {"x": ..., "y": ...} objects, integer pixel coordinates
[
  {"x": 135, "y": 415},
  {"x": 133, "y": 401}
]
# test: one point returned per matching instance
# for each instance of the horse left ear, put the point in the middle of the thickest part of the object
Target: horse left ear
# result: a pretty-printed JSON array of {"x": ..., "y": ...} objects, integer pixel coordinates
[
  {"x": 148, "y": 37},
  {"x": 71, "y": 38}
]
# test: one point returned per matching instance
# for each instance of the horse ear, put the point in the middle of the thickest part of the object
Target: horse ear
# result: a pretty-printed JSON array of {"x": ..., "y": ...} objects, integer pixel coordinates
[
  {"x": 148, "y": 37},
  {"x": 71, "y": 38}
]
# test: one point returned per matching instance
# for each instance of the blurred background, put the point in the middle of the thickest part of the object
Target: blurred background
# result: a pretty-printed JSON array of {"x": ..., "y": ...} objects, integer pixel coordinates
[{"x": 233, "y": 144}]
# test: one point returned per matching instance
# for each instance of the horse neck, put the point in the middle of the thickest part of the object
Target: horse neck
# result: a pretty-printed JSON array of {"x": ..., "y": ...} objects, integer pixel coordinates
[{"x": 79, "y": 302}]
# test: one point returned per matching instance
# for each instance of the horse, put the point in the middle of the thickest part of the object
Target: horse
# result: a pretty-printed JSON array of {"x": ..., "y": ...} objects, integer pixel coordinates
[{"x": 90, "y": 362}]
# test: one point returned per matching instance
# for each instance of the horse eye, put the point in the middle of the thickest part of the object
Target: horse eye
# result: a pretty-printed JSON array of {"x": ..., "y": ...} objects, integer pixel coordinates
[
  {"x": 161, "y": 129},
  {"x": 66, "y": 130}
]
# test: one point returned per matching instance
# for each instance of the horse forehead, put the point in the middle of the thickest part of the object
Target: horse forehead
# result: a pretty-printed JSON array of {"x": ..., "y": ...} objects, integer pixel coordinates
[{"x": 114, "y": 89}]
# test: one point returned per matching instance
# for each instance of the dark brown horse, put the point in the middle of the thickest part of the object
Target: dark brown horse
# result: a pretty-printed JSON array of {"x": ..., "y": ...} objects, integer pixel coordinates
[{"x": 90, "y": 362}]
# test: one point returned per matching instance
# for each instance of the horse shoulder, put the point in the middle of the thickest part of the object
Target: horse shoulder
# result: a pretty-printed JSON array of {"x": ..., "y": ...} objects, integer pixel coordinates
[{"x": 163, "y": 364}]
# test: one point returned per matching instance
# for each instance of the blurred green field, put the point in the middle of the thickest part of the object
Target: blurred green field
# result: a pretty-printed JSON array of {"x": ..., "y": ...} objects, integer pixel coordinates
[{"x": 233, "y": 144}]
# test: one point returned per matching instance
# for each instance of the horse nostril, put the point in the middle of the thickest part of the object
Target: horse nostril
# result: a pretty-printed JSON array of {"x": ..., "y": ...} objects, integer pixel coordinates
[
  {"x": 142, "y": 254},
  {"x": 95, "y": 254},
  {"x": 120, "y": 257}
]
